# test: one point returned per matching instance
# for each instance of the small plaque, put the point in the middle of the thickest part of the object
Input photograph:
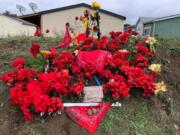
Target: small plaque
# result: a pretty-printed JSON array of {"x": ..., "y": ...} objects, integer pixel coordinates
[{"x": 93, "y": 94}]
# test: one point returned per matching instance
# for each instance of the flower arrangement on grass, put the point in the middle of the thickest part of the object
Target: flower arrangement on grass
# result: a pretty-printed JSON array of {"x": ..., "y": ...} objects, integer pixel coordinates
[{"x": 42, "y": 83}]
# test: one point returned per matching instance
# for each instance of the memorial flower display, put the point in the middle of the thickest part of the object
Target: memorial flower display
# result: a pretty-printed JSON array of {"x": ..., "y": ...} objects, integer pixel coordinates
[{"x": 121, "y": 62}]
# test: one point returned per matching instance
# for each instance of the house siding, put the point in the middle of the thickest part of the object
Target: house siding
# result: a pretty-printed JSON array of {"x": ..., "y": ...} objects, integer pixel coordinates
[
  {"x": 56, "y": 21},
  {"x": 168, "y": 28},
  {"x": 139, "y": 27},
  {"x": 149, "y": 25},
  {"x": 11, "y": 27}
]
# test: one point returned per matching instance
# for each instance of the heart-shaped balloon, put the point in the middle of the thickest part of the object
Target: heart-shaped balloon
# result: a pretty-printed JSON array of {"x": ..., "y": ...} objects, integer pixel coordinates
[{"x": 96, "y": 58}]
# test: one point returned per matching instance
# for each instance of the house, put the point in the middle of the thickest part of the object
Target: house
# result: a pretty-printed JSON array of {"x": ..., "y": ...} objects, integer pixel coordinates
[
  {"x": 164, "y": 27},
  {"x": 11, "y": 26},
  {"x": 140, "y": 24},
  {"x": 55, "y": 19}
]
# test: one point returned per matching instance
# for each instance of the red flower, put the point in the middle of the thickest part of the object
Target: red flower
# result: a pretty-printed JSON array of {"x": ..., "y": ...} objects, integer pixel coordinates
[
  {"x": 124, "y": 37},
  {"x": 38, "y": 32},
  {"x": 76, "y": 18},
  {"x": 95, "y": 29},
  {"x": 140, "y": 61},
  {"x": 135, "y": 33},
  {"x": 9, "y": 78},
  {"x": 47, "y": 30},
  {"x": 114, "y": 34},
  {"x": 81, "y": 18},
  {"x": 55, "y": 104},
  {"x": 114, "y": 44},
  {"x": 54, "y": 81},
  {"x": 138, "y": 79},
  {"x": 52, "y": 56},
  {"x": 81, "y": 38},
  {"x": 119, "y": 59},
  {"x": 77, "y": 88},
  {"x": 86, "y": 12},
  {"x": 26, "y": 74},
  {"x": 41, "y": 102},
  {"x": 118, "y": 87},
  {"x": 144, "y": 50},
  {"x": 35, "y": 49},
  {"x": 67, "y": 24},
  {"x": 18, "y": 63},
  {"x": 103, "y": 44},
  {"x": 65, "y": 60},
  {"x": 129, "y": 30},
  {"x": 88, "y": 70}
]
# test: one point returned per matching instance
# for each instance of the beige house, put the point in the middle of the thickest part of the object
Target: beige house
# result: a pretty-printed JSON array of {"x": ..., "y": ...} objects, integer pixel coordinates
[
  {"x": 55, "y": 19},
  {"x": 11, "y": 26}
]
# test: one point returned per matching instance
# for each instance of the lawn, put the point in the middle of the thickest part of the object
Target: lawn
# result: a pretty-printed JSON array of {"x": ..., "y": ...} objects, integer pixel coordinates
[{"x": 159, "y": 115}]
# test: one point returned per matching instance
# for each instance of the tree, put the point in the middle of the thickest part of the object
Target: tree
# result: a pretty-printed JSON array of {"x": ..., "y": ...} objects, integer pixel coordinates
[{"x": 127, "y": 25}]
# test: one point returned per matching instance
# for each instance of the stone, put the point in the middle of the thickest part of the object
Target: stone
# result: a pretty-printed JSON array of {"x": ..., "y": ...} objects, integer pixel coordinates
[{"x": 93, "y": 94}]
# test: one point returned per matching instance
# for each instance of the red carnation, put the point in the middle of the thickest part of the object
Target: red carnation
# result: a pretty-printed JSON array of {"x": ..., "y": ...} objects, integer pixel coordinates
[
  {"x": 55, "y": 104},
  {"x": 143, "y": 50},
  {"x": 18, "y": 63},
  {"x": 35, "y": 49},
  {"x": 77, "y": 88},
  {"x": 140, "y": 61},
  {"x": 124, "y": 37}
]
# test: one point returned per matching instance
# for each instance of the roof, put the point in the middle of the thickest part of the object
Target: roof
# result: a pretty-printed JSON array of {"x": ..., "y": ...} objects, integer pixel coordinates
[
  {"x": 23, "y": 21},
  {"x": 163, "y": 18},
  {"x": 75, "y": 6},
  {"x": 146, "y": 19},
  {"x": 29, "y": 15},
  {"x": 143, "y": 20},
  {"x": 20, "y": 20},
  {"x": 131, "y": 26}
]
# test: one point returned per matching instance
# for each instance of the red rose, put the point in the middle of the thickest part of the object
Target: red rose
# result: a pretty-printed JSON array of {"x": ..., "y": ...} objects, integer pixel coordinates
[{"x": 35, "y": 49}]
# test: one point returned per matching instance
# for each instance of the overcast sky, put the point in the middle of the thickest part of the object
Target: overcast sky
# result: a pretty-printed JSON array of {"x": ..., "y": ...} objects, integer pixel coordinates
[{"x": 132, "y": 9}]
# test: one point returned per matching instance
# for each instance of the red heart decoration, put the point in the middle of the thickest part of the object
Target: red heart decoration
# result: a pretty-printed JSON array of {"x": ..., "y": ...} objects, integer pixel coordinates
[
  {"x": 96, "y": 58},
  {"x": 89, "y": 122}
]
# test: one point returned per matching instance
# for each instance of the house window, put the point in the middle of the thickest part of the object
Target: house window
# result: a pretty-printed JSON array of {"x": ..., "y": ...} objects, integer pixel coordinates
[{"x": 147, "y": 31}]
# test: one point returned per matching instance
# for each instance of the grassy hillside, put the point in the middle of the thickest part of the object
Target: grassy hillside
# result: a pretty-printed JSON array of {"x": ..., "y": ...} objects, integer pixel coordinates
[{"x": 159, "y": 115}]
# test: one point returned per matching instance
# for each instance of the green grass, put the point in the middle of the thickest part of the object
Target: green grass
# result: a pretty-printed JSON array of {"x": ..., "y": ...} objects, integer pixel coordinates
[
  {"x": 26, "y": 40},
  {"x": 134, "y": 118},
  {"x": 174, "y": 106},
  {"x": 173, "y": 44},
  {"x": 32, "y": 131}
]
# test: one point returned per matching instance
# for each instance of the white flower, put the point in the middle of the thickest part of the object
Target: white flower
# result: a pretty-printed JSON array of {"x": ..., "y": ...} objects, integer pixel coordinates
[
  {"x": 161, "y": 86},
  {"x": 123, "y": 50},
  {"x": 151, "y": 40},
  {"x": 76, "y": 52},
  {"x": 155, "y": 67}
]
